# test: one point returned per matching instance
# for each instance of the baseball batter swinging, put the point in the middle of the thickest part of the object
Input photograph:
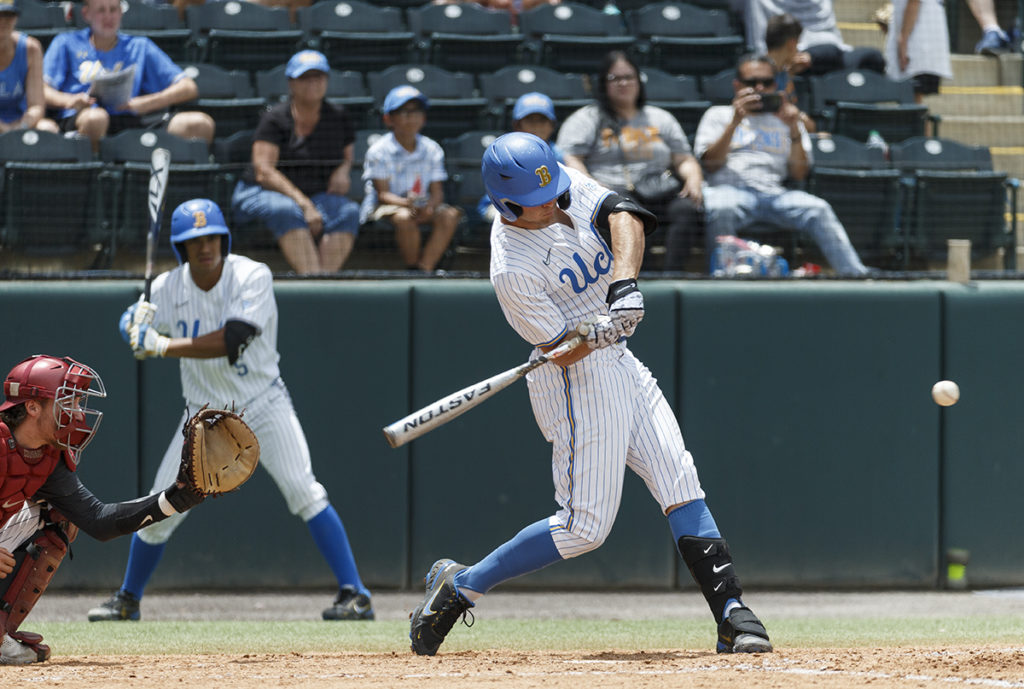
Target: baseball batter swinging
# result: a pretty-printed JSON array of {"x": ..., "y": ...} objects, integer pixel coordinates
[
  {"x": 216, "y": 311},
  {"x": 556, "y": 273},
  {"x": 45, "y": 423}
]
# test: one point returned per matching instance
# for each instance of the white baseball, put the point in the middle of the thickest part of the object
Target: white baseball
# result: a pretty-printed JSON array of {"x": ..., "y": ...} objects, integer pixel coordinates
[{"x": 945, "y": 393}]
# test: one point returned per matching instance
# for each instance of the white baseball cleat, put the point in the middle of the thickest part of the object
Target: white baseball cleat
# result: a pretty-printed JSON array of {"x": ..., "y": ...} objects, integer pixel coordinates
[{"x": 16, "y": 653}]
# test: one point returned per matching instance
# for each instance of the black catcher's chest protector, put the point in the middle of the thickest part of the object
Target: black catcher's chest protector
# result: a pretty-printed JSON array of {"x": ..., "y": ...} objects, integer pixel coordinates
[{"x": 19, "y": 480}]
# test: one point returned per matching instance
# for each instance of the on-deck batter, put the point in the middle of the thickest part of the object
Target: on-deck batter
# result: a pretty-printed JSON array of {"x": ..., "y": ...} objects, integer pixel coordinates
[
  {"x": 555, "y": 273},
  {"x": 217, "y": 312}
]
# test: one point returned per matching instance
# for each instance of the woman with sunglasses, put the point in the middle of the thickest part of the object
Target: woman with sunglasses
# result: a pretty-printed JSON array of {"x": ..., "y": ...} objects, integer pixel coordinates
[{"x": 622, "y": 143}]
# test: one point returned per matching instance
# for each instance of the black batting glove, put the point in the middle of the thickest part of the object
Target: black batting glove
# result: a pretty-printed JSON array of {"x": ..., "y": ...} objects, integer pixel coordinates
[{"x": 625, "y": 305}]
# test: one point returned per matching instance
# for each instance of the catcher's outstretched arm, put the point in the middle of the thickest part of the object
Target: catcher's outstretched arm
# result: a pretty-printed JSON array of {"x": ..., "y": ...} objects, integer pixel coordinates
[{"x": 104, "y": 521}]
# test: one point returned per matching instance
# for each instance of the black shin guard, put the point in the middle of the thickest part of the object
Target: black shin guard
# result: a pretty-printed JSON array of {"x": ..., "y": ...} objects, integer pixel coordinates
[{"x": 710, "y": 565}]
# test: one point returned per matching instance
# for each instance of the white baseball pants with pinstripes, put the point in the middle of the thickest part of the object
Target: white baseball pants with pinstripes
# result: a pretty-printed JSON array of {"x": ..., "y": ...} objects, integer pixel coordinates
[
  {"x": 603, "y": 414},
  {"x": 284, "y": 453}
]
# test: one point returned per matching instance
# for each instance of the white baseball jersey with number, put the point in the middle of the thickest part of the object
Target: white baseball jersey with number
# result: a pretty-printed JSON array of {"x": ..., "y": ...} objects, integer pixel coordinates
[
  {"x": 606, "y": 411},
  {"x": 245, "y": 292}
]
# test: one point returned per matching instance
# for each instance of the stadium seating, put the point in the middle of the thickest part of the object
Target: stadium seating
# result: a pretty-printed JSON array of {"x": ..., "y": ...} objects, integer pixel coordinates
[
  {"x": 855, "y": 102},
  {"x": 54, "y": 197},
  {"x": 683, "y": 39},
  {"x": 41, "y": 20},
  {"x": 192, "y": 175},
  {"x": 680, "y": 95},
  {"x": 572, "y": 37},
  {"x": 953, "y": 193},
  {"x": 356, "y": 35},
  {"x": 462, "y": 155},
  {"x": 454, "y": 107},
  {"x": 465, "y": 37},
  {"x": 236, "y": 34},
  {"x": 225, "y": 95},
  {"x": 502, "y": 87},
  {"x": 865, "y": 195}
]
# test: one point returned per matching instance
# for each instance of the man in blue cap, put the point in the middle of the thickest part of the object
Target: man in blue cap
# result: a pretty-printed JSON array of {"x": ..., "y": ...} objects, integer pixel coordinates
[
  {"x": 300, "y": 175},
  {"x": 405, "y": 175}
]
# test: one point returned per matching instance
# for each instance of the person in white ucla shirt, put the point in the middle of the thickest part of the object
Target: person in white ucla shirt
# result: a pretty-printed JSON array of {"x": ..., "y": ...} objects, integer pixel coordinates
[
  {"x": 565, "y": 255},
  {"x": 216, "y": 311},
  {"x": 747, "y": 154}
]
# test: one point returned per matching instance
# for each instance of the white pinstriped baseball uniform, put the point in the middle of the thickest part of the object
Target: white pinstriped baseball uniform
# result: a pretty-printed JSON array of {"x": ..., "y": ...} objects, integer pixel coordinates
[
  {"x": 244, "y": 292},
  {"x": 606, "y": 411}
]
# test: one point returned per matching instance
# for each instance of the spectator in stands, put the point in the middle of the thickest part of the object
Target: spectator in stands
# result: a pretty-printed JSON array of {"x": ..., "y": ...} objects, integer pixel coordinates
[
  {"x": 820, "y": 39},
  {"x": 781, "y": 37},
  {"x": 994, "y": 40},
  {"x": 405, "y": 175},
  {"x": 917, "y": 45},
  {"x": 748, "y": 154},
  {"x": 533, "y": 113},
  {"x": 512, "y": 6},
  {"x": 621, "y": 141},
  {"x": 21, "y": 78},
  {"x": 78, "y": 62},
  {"x": 300, "y": 172}
]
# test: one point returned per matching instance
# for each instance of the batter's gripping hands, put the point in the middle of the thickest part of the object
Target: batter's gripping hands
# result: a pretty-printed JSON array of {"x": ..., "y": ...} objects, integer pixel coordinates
[
  {"x": 139, "y": 313},
  {"x": 220, "y": 452},
  {"x": 600, "y": 331},
  {"x": 146, "y": 341},
  {"x": 625, "y": 305}
]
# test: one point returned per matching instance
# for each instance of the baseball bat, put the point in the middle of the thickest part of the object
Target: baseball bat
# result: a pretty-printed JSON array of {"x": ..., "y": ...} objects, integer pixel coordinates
[
  {"x": 159, "y": 167},
  {"x": 447, "y": 408}
]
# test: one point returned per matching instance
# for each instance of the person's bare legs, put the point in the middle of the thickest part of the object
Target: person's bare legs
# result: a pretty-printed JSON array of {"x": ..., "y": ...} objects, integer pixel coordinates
[
  {"x": 192, "y": 125},
  {"x": 407, "y": 237},
  {"x": 984, "y": 12},
  {"x": 300, "y": 251},
  {"x": 93, "y": 123},
  {"x": 335, "y": 249},
  {"x": 445, "y": 221}
]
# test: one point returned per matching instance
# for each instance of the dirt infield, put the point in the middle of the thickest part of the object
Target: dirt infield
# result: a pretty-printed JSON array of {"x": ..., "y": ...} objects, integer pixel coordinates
[{"x": 879, "y": 668}]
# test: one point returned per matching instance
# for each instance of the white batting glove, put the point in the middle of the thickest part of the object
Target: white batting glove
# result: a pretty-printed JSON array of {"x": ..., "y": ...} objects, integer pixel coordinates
[
  {"x": 146, "y": 341},
  {"x": 625, "y": 305},
  {"x": 600, "y": 331},
  {"x": 145, "y": 312}
]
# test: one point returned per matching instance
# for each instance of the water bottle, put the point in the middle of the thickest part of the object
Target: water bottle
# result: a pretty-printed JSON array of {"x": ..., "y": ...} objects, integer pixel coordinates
[{"x": 875, "y": 140}]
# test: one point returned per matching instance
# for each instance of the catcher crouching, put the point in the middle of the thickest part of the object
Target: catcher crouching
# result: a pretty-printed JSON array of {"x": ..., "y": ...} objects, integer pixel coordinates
[{"x": 45, "y": 423}]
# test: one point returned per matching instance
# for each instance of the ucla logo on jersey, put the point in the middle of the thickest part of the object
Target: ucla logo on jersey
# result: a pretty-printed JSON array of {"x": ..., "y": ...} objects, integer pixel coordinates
[
  {"x": 544, "y": 174},
  {"x": 580, "y": 281}
]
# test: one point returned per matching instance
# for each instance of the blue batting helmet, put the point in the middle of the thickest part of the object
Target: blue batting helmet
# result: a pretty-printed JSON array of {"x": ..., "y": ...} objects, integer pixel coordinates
[
  {"x": 519, "y": 169},
  {"x": 197, "y": 218}
]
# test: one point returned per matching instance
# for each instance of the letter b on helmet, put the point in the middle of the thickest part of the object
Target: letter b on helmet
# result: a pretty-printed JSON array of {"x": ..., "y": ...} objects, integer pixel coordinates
[
  {"x": 197, "y": 218},
  {"x": 520, "y": 170}
]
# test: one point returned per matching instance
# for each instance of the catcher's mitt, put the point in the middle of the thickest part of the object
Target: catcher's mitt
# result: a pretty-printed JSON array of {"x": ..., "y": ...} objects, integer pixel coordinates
[{"x": 220, "y": 452}]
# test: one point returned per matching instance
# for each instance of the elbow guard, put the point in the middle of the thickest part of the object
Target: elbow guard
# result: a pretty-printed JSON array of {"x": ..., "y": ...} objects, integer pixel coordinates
[
  {"x": 613, "y": 203},
  {"x": 237, "y": 336}
]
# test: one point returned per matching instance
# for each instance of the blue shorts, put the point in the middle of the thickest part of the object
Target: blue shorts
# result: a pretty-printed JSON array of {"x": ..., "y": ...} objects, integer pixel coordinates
[{"x": 252, "y": 202}]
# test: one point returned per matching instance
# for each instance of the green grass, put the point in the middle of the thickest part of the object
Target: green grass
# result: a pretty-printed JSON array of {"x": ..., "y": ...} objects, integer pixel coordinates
[{"x": 107, "y": 638}]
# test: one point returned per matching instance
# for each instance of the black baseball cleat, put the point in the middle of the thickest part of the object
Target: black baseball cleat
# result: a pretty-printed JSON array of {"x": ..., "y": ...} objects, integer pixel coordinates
[
  {"x": 442, "y": 606},
  {"x": 742, "y": 632},
  {"x": 121, "y": 606},
  {"x": 350, "y": 605}
]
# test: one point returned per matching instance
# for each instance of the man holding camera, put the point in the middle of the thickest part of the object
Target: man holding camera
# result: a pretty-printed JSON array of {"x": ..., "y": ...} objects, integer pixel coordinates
[{"x": 748, "y": 150}]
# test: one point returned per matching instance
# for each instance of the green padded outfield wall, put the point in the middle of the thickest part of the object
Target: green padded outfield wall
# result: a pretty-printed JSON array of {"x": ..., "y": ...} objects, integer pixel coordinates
[{"x": 805, "y": 405}]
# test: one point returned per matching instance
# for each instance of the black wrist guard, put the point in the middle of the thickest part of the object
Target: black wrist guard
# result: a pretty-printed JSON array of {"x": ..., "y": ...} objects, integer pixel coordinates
[
  {"x": 619, "y": 289},
  {"x": 182, "y": 499}
]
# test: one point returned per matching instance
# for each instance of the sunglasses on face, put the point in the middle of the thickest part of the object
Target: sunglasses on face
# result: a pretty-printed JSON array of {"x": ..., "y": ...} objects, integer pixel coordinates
[
  {"x": 621, "y": 78},
  {"x": 770, "y": 81}
]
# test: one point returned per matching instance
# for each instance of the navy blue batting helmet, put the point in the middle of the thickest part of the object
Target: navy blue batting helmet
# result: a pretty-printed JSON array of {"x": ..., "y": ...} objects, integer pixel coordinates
[
  {"x": 520, "y": 169},
  {"x": 197, "y": 218}
]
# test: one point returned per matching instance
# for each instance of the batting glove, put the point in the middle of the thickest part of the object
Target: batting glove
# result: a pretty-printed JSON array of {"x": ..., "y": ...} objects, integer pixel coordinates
[
  {"x": 145, "y": 312},
  {"x": 600, "y": 331},
  {"x": 625, "y": 305},
  {"x": 146, "y": 341}
]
